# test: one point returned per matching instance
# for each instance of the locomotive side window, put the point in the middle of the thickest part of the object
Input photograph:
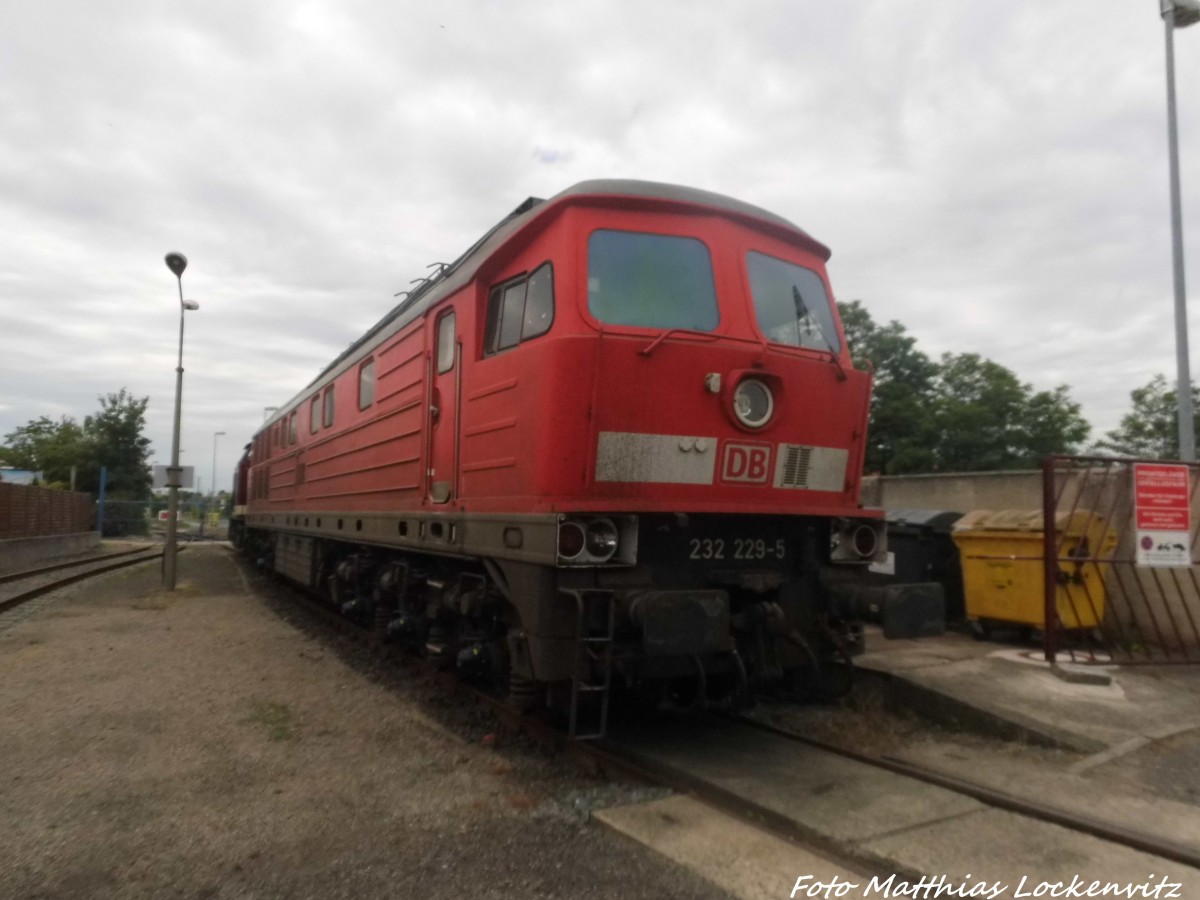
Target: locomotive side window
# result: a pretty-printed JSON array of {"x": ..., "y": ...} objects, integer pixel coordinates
[
  {"x": 539, "y": 303},
  {"x": 791, "y": 304},
  {"x": 292, "y": 428},
  {"x": 512, "y": 311},
  {"x": 366, "y": 384},
  {"x": 445, "y": 343},
  {"x": 314, "y": 415},
  {"x": 520, "y": 310},
  {"x": 651, "y": 281},
  {"x": 327, "y": 417}
]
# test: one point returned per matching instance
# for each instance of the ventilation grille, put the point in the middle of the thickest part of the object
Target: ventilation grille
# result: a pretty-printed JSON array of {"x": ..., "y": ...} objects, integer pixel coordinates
[{"x": 796, "y": 461}]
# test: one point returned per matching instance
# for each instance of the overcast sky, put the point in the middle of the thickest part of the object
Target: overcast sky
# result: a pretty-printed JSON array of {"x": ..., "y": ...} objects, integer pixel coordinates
[{"x": 991, "y": 174}]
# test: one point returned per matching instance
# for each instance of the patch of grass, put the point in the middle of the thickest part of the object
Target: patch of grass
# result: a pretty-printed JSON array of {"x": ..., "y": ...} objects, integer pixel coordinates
[{"x": 276, "y": 718}]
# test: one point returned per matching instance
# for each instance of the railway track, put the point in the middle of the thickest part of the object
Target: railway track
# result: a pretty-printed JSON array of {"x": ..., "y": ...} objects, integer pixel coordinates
[
  {"x": 1143, "y": 841},
  {"x": 616, "y": 757},
  {"x": 17, "y": 588},
  {"x": 736, "y": 729}
]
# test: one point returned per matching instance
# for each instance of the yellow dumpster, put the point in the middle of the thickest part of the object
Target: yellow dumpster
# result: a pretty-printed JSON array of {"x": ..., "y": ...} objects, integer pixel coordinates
[{"x": 1003, "y": 572}]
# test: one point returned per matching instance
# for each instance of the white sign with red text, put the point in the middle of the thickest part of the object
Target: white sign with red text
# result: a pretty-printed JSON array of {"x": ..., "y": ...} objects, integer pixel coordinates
[{"x": 1162, "y": 511}]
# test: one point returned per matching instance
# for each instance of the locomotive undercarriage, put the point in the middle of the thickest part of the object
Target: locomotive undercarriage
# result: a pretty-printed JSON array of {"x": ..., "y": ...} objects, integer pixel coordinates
[{"x": 567, "y": 637}]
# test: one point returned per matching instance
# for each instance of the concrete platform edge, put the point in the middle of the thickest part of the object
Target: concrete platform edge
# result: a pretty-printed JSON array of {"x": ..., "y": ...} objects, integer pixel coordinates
[
  {"x": 785, "y": 827},
  {"x": 951, "y": 712}
]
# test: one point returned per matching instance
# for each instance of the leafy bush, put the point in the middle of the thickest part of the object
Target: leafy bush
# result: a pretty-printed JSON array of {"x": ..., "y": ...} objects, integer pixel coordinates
[{"x": 123, "y": 518}]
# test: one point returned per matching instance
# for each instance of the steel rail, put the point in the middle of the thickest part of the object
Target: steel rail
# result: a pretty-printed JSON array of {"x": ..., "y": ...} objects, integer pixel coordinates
[
  {"x": 1136, "y": 840},
  {"x": 29, "y": 573},
  {"x": 24, "y": 597}
]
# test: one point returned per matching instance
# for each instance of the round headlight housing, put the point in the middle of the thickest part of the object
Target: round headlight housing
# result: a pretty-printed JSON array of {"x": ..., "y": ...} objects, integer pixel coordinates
[
  {"x": 753, "y": 403},
  {"x": 602, "y": 537},
  {"x": 866, "y": 542},
  {"x": 571, "y": 539}
]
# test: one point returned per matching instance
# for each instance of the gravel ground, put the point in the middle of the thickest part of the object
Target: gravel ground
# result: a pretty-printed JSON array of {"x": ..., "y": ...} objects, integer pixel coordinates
[{"x": 212, "y": 743}]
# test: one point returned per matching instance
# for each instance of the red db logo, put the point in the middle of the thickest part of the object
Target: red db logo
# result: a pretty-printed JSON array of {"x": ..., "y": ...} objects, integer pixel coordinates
[{"x": 746, "y": 463}]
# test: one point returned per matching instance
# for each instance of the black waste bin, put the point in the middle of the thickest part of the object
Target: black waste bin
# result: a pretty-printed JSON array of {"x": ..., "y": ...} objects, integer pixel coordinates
[{"x": 920, "y": 549}]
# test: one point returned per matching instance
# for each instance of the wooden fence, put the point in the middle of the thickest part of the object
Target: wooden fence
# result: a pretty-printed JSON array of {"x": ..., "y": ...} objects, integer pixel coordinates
[{"x": 36, "y": 512}]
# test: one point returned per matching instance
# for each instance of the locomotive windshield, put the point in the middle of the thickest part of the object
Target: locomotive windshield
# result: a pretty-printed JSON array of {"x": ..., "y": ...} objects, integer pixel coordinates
[
  {"x": 791, "y": 303},
  {"x": 651, "y": 281}
]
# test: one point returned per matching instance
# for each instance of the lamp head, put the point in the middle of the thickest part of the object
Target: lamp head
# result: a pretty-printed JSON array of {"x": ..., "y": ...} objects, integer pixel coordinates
[
  {"x": 176, "y": 262},
  {"x": 1187, "y": 12},
  {"x": 191, "y": 305}
]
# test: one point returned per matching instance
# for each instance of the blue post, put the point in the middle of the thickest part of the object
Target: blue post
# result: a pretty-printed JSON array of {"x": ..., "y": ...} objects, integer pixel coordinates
[{"x": 100, "y": 501}]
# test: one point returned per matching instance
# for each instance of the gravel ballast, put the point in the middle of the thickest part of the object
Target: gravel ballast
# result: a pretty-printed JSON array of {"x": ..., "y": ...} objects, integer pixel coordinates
[{"x": 210, "y": 743}]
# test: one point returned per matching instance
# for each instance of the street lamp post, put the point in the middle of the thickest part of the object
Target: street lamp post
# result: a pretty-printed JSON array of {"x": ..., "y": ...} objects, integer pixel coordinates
[
  {"x": 176, "y": 262},
  {"x": 1179, "y": 14}
]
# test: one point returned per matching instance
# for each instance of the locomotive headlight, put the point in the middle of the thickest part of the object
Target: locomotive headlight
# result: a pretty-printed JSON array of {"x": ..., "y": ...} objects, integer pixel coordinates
[
  {"x": 601, "y": 539},
  {"x": 753, "y": 403},
  {"x": 589, "y": 540},
  {"x": 865, "y": 541},
  {"x": 571, "y": 539}
]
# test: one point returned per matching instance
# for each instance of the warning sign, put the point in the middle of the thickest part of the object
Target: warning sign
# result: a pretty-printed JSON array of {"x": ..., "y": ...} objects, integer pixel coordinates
[{"x": 1162, "y": 509}]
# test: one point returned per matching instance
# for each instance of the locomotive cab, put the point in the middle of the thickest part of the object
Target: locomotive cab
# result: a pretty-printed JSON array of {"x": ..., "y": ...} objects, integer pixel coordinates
[{"x": 705, "y": 442}]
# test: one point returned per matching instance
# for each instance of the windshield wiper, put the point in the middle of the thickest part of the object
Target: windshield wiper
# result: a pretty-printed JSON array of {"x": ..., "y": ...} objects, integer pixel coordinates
[{"x": 802, "y": 313}]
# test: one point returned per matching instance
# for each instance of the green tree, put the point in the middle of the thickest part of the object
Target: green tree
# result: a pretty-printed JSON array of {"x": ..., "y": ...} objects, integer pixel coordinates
[
  {"x": 987, "y": 419},
  {"x": 111, "y": 437},
  {"x": 961, "y": 413},
  {"x": 115, "y": 440},
  {"x": 901, "y": 430},
  {"x": 52, "y": 448},
  {"x": 1151, "y": 429}
]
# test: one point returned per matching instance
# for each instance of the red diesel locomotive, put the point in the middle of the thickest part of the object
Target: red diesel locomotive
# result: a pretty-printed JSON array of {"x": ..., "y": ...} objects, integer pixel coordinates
[{"x": 618, "y": 441}]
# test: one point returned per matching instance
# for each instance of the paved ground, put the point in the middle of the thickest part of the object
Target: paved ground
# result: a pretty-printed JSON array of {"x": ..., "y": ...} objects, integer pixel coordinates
[
  {"x": 200, "y": 744},
  {"x": 1136, "y": 733}
]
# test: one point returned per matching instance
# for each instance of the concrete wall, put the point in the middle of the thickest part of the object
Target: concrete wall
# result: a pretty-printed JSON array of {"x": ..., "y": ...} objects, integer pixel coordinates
[
  {"x": 25, "y": 553},
  {"x": 962, "y": 492}
]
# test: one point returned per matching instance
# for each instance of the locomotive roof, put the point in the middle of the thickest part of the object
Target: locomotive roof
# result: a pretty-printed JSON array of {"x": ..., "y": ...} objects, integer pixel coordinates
[{"x": 456, "y": 275}]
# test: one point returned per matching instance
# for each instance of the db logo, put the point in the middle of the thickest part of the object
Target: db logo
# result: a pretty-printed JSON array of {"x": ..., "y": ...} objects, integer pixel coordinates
[{"x": 746, "y": 463}]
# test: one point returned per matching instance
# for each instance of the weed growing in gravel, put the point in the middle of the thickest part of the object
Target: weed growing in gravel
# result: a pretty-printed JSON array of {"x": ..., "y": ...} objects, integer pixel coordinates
[{"x": 275, "y": 717}]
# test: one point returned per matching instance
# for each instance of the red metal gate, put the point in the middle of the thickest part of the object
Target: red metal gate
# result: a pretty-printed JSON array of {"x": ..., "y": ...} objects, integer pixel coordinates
[{"x": 1122, "y": 612}]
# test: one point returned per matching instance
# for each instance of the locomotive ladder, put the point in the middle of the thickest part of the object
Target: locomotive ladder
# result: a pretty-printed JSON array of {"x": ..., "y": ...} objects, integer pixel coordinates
[{"x": 591, "y": 676}]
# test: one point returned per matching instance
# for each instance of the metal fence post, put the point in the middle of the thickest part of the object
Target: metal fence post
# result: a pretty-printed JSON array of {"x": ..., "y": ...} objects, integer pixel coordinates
[
  {"x": 1049, "y": 558},
  {"x": 100, "y": 501}
]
